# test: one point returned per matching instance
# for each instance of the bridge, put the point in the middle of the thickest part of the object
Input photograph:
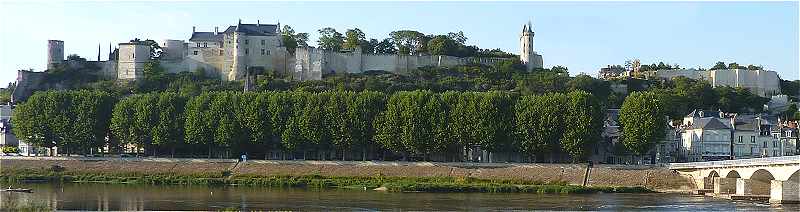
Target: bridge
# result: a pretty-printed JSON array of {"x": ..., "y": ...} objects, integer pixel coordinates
[{"x": 777, "y": 177}]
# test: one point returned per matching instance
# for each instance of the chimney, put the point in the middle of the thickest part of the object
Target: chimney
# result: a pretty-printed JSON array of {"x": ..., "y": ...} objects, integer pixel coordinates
[
  {"x": 258, "y": 22},
  {"x": 193, "y": 29},
  {"x": 240, "y": 21},
  {"x": 216, "y": 30}
]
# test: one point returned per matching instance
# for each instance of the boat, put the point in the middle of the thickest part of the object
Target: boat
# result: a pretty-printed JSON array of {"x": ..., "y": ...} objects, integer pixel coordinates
[{"x": 25, "y": 190}]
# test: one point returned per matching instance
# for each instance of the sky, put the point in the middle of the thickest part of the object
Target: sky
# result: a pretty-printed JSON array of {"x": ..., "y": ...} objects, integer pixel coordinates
[{"x": 583, "y": 36}]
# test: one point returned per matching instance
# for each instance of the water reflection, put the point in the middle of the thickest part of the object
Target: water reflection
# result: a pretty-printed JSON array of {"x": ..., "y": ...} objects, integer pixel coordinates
[{"x": 148, "y": 197}]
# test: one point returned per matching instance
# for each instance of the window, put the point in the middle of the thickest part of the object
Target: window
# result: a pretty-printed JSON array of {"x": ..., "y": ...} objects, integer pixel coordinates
[
  {"x": 205, "y": 44},
  {"x": 221, "y": 44},
  {"x": 740, "y": 139},
  {"x": 246, "y": 41},
  {"x": 221, "y": 52},
  {"x": 198, "y": 45},
  {"x": 262, "y": 42},
  {"x": 133, "y": 55},
  {"x": 267, "y": 52},
  {"x": 195, "y": 52},
  {"x": 263, "y": 51},
  {"x": 752, "y": 139},
  {"x": 765, "y": 144},
  {"x": 246, "y": 51}
]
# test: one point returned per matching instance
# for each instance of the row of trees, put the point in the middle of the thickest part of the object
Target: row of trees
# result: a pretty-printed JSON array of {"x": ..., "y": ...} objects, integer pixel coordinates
[
  {"x": 74, "y": 121},
  {"x": 333, "y": 124},
  {"x": 397, "y": 42}
]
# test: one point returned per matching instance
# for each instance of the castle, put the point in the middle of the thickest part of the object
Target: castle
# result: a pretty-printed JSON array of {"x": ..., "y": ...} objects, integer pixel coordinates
[{"x": 244, "y": 48}]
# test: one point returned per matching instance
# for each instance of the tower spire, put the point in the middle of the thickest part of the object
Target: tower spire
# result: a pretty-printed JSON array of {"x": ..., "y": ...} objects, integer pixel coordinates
[{"x": 98, "y": 52}]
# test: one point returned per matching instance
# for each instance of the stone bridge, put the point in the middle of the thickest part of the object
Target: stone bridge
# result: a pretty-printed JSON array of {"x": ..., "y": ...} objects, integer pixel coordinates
[{"x": 776, "y": 177}]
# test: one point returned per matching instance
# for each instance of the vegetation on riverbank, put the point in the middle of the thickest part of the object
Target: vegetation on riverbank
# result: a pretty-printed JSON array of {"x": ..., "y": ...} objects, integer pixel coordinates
[{"x": 392, "y": 184}]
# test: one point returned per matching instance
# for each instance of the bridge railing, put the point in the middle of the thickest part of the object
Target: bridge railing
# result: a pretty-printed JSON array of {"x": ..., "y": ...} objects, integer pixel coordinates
[{"x": 740, "y": 162}]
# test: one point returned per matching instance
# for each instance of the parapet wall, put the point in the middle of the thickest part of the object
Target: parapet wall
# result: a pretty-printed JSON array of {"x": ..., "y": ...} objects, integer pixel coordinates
[
  {"x": 312, "y": 63},
  {"x": 761, "y": 82}
]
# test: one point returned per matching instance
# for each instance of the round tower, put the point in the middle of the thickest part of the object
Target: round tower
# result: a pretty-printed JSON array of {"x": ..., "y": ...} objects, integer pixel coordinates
[
  {"x": 55, "y": 53},
  {"x": 526, "y": 44}
]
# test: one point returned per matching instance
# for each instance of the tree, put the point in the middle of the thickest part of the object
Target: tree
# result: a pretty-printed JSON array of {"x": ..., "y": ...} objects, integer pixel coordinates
[
  {"x": 363, "y": 110},
  {"x": 122, "y": 124},
  {"x": 584, "y": 123},
  {"x": 643, "y": 122},
  {"x": 458, "y": 37},
  {"x": 168, "y": 130},
  {"x": 386, "y": 46},
  {"x": 719, "y": 65},
  {"x": 790, "y": 113},
  {"x": 74, "y": 121},
  {"x": 330, "y": 39},
  {"x": 199, "y": 129},
  {"x": 408, "y": 41},
  {"x": 75, "y": 57},
  {"x": 33, "y": 119},
  {"x": 540, "y": 124},
  {"x": 354, "y": 38},
  {"x": 599, "y": 88},
  {"x": 441, "y": 45},
  {"x": 734, "y": 66}
]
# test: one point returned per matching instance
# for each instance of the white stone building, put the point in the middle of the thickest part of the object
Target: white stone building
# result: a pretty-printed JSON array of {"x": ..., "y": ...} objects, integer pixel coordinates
[
  {"x": 705, "y": 136},
  {"x": 714, "y": 135}
]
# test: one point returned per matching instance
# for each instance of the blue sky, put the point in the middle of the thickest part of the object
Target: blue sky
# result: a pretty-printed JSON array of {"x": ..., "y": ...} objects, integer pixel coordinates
[{"x": 583, "y": 36}]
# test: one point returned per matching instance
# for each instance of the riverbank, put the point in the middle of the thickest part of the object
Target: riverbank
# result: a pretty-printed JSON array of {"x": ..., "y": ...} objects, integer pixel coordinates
[{"x": 394, "y": 176}]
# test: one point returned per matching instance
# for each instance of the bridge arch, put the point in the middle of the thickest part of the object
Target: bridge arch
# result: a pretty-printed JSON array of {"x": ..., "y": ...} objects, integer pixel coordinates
[
  {"x": 733, "y": 174},
  {"x": 760, "y": 182},
  {"x": 713, "y": 173},
  {"x": 795, "y": 177},
  {"x": 762, "y": 175}
]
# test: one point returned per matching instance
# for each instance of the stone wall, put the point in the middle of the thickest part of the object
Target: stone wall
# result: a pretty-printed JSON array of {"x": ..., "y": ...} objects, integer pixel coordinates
[
  {"x": 312, "y": 63},
  {"x": 761, "y": 82}
]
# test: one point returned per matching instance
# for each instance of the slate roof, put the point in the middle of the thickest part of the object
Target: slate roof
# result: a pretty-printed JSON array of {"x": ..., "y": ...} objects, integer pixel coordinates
[
  {"x": 249, "y": 29},
  {"x": 205, "y": 36},
  {"x": 745, "y": 126},
  {"x": 709, "y": 124},
  {"x": 254, "y": 29}
]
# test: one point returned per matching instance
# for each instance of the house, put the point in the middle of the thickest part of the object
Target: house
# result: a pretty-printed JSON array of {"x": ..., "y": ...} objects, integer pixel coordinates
[{"x": 706, "y": 136}]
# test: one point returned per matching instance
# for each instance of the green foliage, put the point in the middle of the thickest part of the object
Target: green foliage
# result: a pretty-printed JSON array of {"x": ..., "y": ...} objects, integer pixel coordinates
[
  {"x": 643, "y": 121},
  {"x": 354, "y": 38},
  {"x": 583, "y": 124},
  {"x": 75, "y": 121},
  {"x": 9, "y": 149},
  {"x": 292, "y": 40},
  {"x": 330, "y": 39}
]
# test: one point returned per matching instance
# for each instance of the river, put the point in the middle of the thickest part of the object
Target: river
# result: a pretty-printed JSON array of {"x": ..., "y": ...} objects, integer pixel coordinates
[{"x": 72, "y": 196}]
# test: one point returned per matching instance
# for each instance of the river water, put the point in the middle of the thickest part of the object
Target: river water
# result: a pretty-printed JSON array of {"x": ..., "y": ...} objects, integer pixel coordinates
[{"x": 151, "y": 197}]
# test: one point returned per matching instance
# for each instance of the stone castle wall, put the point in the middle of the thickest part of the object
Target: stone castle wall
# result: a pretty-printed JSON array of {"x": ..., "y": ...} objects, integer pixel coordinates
[
  {"x": 760, "y": 82},
  {"x": 312, "y": 63}
]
